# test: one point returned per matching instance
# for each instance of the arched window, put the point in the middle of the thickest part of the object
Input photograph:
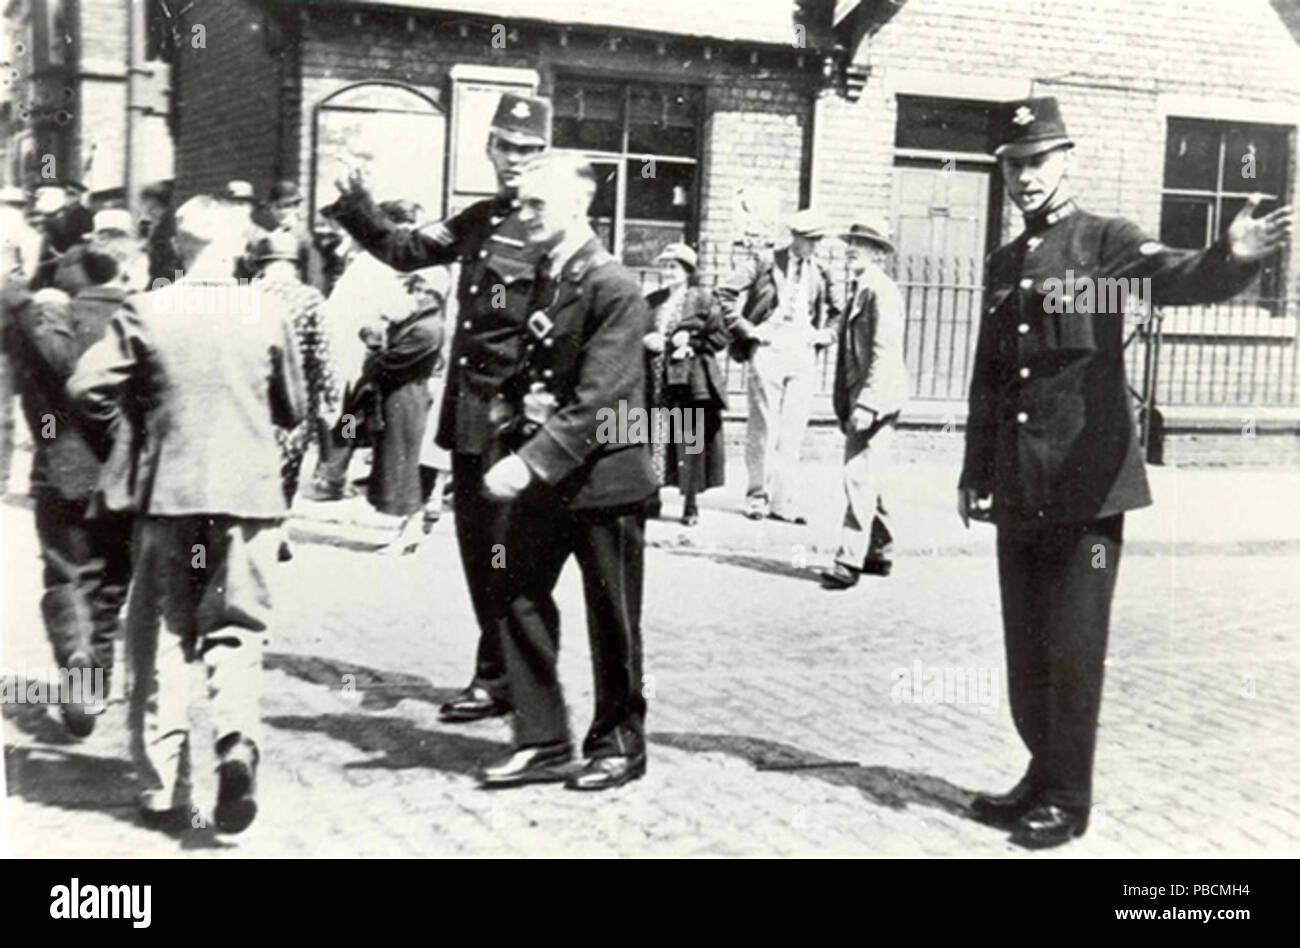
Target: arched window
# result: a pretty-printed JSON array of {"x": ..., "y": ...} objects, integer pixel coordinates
[{"x": 399, "y": 134}]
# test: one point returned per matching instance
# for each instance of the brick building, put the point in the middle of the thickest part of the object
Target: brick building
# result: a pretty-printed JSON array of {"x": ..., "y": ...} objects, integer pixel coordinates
[
  {"x": 710, "y": 119},
  {"x": 65, "y": 108},
  {"x": 694, "y": 113}
]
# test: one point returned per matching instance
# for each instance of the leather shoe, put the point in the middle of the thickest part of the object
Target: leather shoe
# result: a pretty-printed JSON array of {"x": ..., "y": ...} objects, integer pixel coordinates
[
  {"x": 472, "y": 704},
  {"x": 1004, "y": 810},
  {"x": 171, "y": 821},
  {"x": 541, "y": 763},
  {"x": 605, "y": 773},
  {"x": 839, "y": 576},
  {"x": 79, "y": 716},
  {"x": 1049, "y": 825},
  {"x": 236, "y": 785}
]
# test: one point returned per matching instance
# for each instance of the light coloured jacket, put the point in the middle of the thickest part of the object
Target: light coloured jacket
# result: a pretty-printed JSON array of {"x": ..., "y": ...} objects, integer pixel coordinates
[{"x": 191, "y": 388}]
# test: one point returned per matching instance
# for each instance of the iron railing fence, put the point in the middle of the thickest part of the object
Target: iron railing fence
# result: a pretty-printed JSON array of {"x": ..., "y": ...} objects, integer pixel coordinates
[{"x": 1242, "y": 352}]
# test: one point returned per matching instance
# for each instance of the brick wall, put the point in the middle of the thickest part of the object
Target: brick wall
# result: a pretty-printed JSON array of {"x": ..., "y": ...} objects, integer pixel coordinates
[
  {"x": 230, "y": 96},
  {"x": 756, "y": 115},
  {"x": 1114, "y": 64}
]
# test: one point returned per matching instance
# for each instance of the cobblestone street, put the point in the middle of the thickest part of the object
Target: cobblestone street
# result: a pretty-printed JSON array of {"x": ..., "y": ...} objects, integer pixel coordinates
[{"x": 784, "y": 720}]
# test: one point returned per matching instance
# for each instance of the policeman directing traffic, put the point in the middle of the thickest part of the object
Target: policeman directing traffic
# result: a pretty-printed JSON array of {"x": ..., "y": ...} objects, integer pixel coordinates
[
  {"x": 495, "y": 293},
  {"x": 1051, "y": 449}
]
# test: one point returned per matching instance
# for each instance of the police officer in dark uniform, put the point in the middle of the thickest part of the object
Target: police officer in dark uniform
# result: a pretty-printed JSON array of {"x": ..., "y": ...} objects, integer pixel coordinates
[
  {"x": 1051, "y": 449},
  {"x": 577, "y": 487},
  {"x": 497, "y": 277}
]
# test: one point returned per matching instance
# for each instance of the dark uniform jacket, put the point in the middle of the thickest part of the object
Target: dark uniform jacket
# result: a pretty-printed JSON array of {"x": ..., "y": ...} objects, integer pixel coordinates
[
  {"x": 591, "y": 360},
  {"x": 495, "y": 295},
  {"x": 50, "y": 334},
  {"x": 753, "y": 293},
  {"x": 1050, "y": 432}
]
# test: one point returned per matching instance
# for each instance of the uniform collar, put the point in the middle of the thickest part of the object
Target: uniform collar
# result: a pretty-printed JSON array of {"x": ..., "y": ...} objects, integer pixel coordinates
[
  {"x": 1037, "y": 223},
  {"x": 582, "y": 259}
]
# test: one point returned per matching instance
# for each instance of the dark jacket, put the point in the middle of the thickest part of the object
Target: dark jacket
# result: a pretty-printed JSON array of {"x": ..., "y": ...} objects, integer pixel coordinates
[
  {"x": 51, "y": 332},
  {"x": 702, "y": 381},
  {"x": 192, "y": 391},
  {"x": 63, "y": 230},
  {"x": 495, "y": 294},
  {"x": 753, "y": 292},
  {"x": 869, "y": 368},
  {"x": 1051, "y": 432},
  {"x": 592, "y": 362}
]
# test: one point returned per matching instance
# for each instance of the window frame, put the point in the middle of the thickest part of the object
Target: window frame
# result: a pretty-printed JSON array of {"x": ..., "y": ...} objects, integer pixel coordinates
[
  {"x": 620, "y": 159},
  {"x": 1216, "y": 197}
]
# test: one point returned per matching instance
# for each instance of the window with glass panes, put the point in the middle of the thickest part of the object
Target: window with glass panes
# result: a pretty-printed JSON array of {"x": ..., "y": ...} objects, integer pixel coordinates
[
  {"x": 643, "y": 140},
  {"x": 1211, "y": 168}
]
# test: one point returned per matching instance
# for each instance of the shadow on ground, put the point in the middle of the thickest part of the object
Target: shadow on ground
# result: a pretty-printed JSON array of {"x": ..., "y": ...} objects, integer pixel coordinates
[
  {"x": 883, "y": 786},
  {"x": 402, "y": 744},
  {"x": 379, "y": 690},
  {"x": 760, "y": 564}
]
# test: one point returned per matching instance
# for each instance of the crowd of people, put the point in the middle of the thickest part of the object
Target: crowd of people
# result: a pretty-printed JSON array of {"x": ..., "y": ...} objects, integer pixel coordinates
[{"x": 137, "y": 391}]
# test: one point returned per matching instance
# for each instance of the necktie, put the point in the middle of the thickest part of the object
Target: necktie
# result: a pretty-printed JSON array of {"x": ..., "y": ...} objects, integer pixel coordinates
[{"x": 798, "y": 297}]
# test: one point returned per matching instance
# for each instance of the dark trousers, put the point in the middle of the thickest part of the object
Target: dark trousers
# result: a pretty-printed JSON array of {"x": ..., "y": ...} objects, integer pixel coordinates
[
  {"x": 610, "y": 548},
  {"x": 87, "y": 571},
  {"x": 334, "y": 457},
  {"x": 481, "y": 526},
  {"x": 1057, "y": 584}
]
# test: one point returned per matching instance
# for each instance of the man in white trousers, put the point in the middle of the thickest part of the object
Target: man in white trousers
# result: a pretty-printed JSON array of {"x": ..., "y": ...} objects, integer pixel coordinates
[
  {"x": 781, "y": 311},
  {"x": 869, "y": 392}
]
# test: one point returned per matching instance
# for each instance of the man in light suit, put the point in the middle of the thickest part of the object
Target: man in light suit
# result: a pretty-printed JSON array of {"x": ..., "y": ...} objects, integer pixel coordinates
[
  {"x": 870, "y": 389},
  {"x": 781, "y": 311},
  {"x": 188, "y": 377}
]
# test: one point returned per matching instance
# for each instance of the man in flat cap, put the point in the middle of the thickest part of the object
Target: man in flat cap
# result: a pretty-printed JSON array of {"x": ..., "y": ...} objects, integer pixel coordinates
[
  {"x": 869, "y": 391},
  {"x": 498, "y": 277},
  {"x": 1051, "y": 450},
  {"x": 781, "y": 311}
]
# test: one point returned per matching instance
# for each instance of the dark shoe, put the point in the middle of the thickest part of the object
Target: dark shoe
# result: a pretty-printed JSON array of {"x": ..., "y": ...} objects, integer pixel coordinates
[
  {"x": 1004, "y": 810},
  {"x": 543, "y": 763},
  {"x": 175, "y": 820},
  {"x": 236, "y": 785},
  {"x": 79, "y": 716},
  {"x": 286, "y": 552},
  {"x": 472, "y": 704},
  {"x": 690, "y": 518},
  {"x": 839, "y": 576},
  {"x": 877, "y": 565},
  {"x": 1049, "y": 825},
  {"x": 755, "y": 514},
  {"x": 606, "y": 773},
  {"x": 798, "y": 519}
]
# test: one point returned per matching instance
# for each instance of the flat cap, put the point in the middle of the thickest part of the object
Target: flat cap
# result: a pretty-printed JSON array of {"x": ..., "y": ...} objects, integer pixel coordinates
[{"x": 807, "y": 223}]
